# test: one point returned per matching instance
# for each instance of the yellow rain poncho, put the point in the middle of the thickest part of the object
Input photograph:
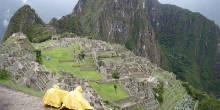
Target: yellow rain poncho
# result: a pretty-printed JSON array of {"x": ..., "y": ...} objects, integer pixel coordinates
[
  {"x": 71, "y": 100},
  {"x": 75, "y": 100},
  {"x": 54, "y": 96}
]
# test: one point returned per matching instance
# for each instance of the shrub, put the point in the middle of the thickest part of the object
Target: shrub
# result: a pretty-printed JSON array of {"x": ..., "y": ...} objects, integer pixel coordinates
[
  {"x": 158, "y": 91},
  {"x": 206, "y": 101},
  {"x": 117, "y": 106},
  {"x": 4, "y": 74},
  {"x": 38, "y": 56},
  {"x": 106, "y": 101},
  {"x": 100, "y": 63},
  {"x": 38, "y": 33},
  {"x": 82, "y": 55},
  {"x": 115, "y": 87},
  {"x": 115, "y": 75}
]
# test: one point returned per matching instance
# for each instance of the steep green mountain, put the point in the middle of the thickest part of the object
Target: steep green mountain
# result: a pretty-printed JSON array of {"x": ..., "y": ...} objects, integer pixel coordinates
[
  {"x": 7, "y": 9},
  {"x": 67, "y": 23},
  {"x": 178, "y": 40},
  {"x": 27, "y": 21}
]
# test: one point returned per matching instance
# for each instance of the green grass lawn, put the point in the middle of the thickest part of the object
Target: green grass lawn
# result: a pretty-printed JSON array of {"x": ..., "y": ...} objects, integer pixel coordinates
[
  {"x": 21, "y": 88},
  {"x": 107, "y": 91},
  {"x": 57, "y": 54}
]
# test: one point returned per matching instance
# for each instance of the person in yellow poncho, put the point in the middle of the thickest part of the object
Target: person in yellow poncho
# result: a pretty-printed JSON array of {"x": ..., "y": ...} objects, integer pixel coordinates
[
  {"x": 54, "y": 96},
  {"x": 71, "y": 100},
  {"x": 75, "y": 100}
]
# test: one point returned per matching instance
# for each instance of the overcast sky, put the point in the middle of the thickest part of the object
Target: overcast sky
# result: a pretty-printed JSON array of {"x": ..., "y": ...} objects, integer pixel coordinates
[
  {"x": 58, "y": 8},
  {"x": 208, "y": 8},
  {"x": 47, "y": 9}
]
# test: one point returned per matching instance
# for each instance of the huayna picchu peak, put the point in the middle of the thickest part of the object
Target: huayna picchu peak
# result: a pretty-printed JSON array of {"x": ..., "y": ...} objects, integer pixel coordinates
[
  {"x": 27, "y": 21},
  {"x": 121, "y": 54}
]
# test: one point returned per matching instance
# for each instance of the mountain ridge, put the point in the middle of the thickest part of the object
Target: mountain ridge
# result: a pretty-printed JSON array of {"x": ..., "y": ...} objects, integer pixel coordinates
[{"x": 177, "y": 39}]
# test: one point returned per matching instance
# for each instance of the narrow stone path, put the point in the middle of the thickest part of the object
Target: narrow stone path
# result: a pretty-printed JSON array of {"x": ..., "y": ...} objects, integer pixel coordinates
[{"x": 12, "y": 99}]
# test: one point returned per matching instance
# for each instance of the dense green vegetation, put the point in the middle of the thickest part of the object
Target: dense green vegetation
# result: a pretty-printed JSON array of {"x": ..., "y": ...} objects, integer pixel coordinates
[
  {"x": 4, "y": 74},
  {"x": 107, "y": 91},
  {"x": 116, "y": 75},
  {"x": 38, "y": 33},
  {"x": 188, "y": 47},
  {"x": 206, "y": 101},
  {"x": 131, "y": 44},
  {"x": 67, "y": 23},
  {"x": 38, "y": 57},
  {"x": 191, "y": 62},
  {"x": 158, "y": 92}
]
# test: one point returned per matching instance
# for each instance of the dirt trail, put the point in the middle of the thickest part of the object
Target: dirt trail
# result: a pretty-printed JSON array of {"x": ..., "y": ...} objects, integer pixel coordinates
[{"x": 11, "y": 99}]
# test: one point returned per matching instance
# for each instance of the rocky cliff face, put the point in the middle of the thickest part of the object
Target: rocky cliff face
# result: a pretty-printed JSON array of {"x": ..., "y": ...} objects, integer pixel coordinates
[
  {"x": 120, "y": 21},
  {"x": 177, "y": 39},
  {"x": 23, "y": 19}
]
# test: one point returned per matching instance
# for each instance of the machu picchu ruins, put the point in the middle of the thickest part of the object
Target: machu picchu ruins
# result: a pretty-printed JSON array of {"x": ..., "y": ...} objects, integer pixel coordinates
[{"x": 138, "y": 76}]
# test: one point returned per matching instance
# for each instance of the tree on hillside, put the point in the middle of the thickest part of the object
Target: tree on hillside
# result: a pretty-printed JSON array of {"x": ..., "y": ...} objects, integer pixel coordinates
[
  {"x": 38, "y": 56},
  {"x": 116, "y": 75},
  {"x": 115, "y": 87}
]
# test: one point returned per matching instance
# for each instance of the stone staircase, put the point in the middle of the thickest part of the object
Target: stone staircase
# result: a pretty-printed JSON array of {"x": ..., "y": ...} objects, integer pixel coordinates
[{"x": 42, "y": 80}]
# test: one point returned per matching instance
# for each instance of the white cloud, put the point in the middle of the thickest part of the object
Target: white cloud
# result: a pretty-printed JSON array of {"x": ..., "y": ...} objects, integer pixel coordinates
[
  {"x": 24, "y": 1},
  {"x": 7, "y": 11},
  {"x": 5, "y": 22}
]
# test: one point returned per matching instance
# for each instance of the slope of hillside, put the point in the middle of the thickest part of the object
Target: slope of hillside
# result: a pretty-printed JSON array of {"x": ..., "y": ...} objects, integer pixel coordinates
[{"x": 177, "y": 39}]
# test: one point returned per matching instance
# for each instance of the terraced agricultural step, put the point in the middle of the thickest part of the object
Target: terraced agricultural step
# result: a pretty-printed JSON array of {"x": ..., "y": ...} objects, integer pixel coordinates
[
  {"x": 87, "y": 69},
  {"x": 127, "y": 103},
  {"x": 125, "y": 100},
  {"x": 63, "y": 61},
  {"x": 85, "y": 66},
  {"x": 139, "y": 75}
]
